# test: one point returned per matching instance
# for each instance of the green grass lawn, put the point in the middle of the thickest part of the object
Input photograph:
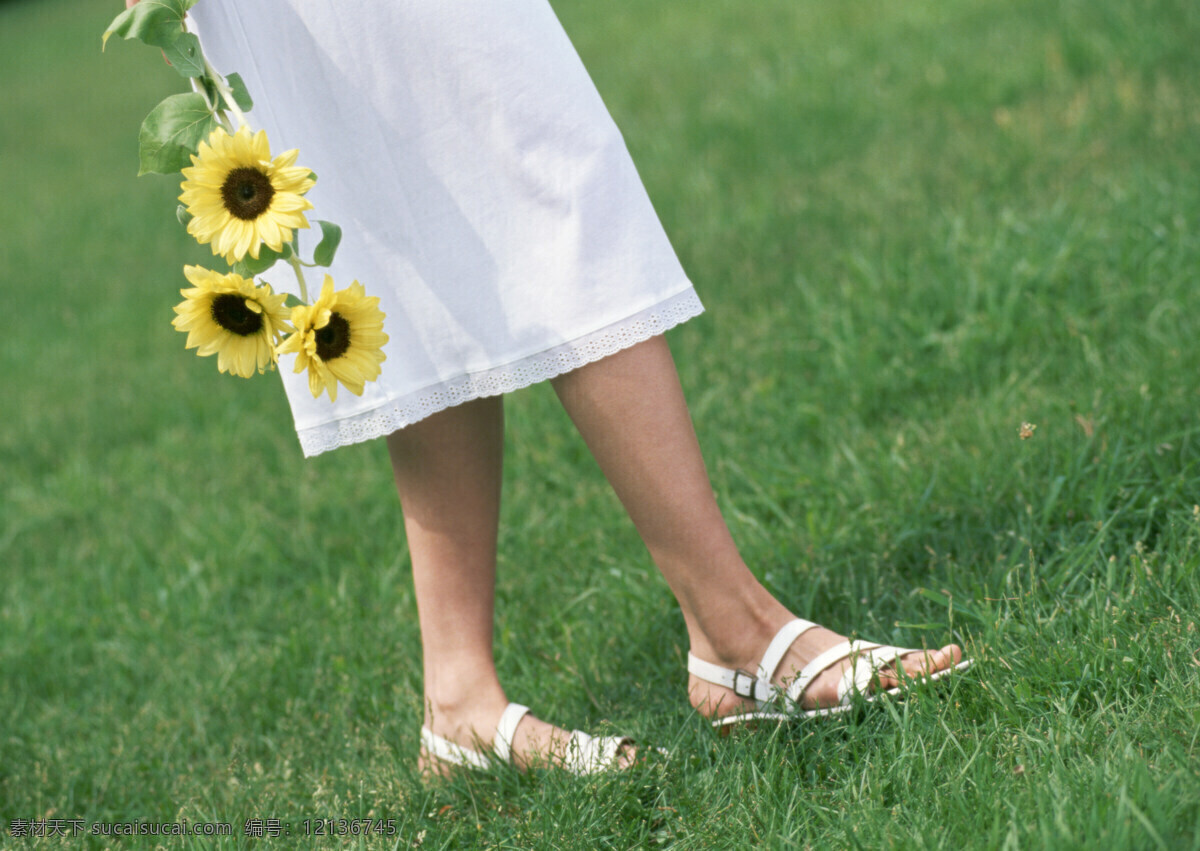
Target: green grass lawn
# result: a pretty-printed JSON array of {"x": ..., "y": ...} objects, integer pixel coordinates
[{"x": 915, "y": 227}]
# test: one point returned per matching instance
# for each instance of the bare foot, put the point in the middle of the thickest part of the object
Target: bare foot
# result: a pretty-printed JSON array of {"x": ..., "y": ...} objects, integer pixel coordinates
[
  {"x": 535, "y": 744},
  {"x": 714, "y": 701}
]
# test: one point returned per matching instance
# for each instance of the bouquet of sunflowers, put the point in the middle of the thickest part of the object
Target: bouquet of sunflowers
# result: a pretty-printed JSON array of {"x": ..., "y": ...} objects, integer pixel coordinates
[{"x": 248, "y": 207}]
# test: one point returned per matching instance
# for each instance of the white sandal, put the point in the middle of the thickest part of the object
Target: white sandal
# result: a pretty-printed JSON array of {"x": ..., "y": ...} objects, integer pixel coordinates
[
  {"x": 585, "y": 754},
  {"x": 773, "y": 703}
]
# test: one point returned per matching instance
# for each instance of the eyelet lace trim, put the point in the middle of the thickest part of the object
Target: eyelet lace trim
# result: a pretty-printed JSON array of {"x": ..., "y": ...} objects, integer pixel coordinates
[{"x": 415, "y": 407}]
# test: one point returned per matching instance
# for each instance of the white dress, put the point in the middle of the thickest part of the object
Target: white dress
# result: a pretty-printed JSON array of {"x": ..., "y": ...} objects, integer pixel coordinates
[{"x": 484, "y": 193}]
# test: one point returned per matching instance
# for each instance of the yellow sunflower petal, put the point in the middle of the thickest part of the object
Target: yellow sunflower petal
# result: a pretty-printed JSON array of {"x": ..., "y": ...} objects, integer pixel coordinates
[
  {"x": 227, "y": 315},
  {"x": 237, "y": 219}
]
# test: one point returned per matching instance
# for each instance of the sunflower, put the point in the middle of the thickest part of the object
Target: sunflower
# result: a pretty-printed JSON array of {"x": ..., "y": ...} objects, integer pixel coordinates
[
  {"x": 339, "y": 338},
  {"x": 229, "y": 316},
  {"x": 239, "y": 198}
]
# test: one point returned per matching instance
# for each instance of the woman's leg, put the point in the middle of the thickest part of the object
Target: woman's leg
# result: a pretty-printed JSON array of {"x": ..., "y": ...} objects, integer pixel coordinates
[
  {"x": 630, "y": 409},
  {"x": 448, "y": 475}
]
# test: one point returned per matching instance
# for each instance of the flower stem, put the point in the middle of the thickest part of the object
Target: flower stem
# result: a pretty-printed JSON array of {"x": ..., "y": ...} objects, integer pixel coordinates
[
  {"x": 296, "y": 267},
  {"x": 219, "y": 114},
  {"x": 225, "y": 92}
]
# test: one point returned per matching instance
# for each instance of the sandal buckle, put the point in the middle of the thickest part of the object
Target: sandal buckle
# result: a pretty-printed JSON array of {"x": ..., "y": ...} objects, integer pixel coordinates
[{"x": 743, "y": 684}]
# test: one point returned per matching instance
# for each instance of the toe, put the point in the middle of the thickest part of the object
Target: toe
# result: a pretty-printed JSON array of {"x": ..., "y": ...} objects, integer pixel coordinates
[
  {"x": 627, "y": 754},
  {"x": 924, "y": 663}
]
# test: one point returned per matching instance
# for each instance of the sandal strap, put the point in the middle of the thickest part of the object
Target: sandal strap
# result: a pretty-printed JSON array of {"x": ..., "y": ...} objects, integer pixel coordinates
[
  {"x": 863, "y": 669},
  {"x": 825, "y": 660},
  {"x": 779, "y": 646},
  {"x": 455, "y": 754},
  {"x": 449, "y": 752},
  {"x": 741, "y": 683},
  {"x": 592, "y": 754},
  {"x": 585, "y": 754},
  {"x": 759, "y": 688},
  {"x": 506, "y": 729}
]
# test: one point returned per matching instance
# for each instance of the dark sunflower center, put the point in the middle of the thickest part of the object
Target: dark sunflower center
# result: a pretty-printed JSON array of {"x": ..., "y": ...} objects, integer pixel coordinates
[
  {"x": 230, "y": 312},
  {"x": 334, "y": 338},
  {"x": 247, "y": 193}
]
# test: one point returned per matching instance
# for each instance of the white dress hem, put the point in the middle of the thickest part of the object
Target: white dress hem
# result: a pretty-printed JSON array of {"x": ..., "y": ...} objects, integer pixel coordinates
[{"x": 414, "y": 407}]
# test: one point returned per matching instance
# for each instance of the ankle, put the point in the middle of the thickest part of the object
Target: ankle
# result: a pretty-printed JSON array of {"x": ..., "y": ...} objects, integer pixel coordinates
[
  {"x": 736, "y": 633},
  {"x": 458, "y": 707}
]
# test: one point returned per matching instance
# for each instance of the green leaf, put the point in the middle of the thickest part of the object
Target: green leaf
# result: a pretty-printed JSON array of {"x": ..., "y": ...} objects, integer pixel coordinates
[
  {"x": 241, "y": 96},
  {"x": 183, "y": 215},
  {"x": 172, "y": 132},
  {"x": 155, "y": 22},
  {"x": 185, "y": 56},
  {"x": 248, "y": 267},
  {"x": 331, "y": 235}
]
